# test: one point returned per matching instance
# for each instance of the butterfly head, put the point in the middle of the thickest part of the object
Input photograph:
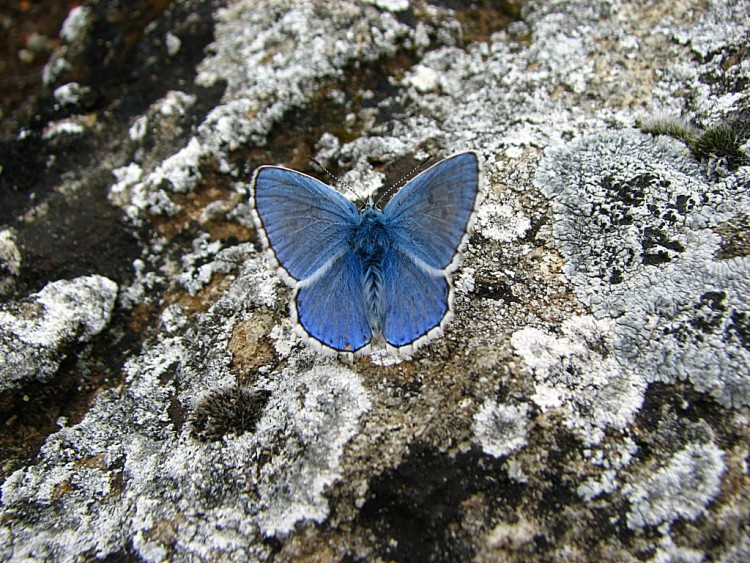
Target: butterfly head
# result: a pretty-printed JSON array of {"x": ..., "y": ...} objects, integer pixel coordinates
[
  {"x": 369, "y": 205},
  {"x": 370, "y": 236}
]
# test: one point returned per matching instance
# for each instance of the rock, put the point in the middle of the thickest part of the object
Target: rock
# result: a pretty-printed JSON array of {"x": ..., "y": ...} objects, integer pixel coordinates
[
  {"x": 589, "y": 400},
  {"x": 38, "y": 333}
]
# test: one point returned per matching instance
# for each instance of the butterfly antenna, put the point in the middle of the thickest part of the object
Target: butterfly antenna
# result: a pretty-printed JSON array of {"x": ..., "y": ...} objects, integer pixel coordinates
[
  {"x": 401, "y": 181},
  {"x": 337, "y": 180}
]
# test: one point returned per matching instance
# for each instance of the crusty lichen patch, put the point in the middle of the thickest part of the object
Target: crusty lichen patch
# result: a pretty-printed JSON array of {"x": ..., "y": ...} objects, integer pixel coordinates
[
  {"x": 681, "y": 488},
  {"x": 35, "y": 335},
  {"x": 634, "y": 219},
  {"x": 577, "y": 374}
]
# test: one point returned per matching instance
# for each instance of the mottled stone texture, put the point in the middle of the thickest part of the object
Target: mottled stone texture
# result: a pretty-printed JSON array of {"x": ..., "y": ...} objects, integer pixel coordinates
[{"x": 590, "y": 399}]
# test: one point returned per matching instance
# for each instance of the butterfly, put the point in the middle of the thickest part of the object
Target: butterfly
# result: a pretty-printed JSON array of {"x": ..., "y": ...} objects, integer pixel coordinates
[{"x": 368, "y": 278}]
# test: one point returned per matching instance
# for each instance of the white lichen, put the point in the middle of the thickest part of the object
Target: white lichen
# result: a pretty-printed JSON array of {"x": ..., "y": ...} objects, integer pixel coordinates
[
  {"x": 173, "y": 44},
  {"x": 502, "y": 222},
  {"x": 63, "y": 127},
  {"x": 607, "y": 460},
  {"x": 166, "y": 477},
  {"x": 74, "y": 24},
  {"x": 34, "y": 334},
  {"x": 314, "y": 429},
  {"x": 137, "y": 132},
  {"x": 577, "y": 373},
  {"x": 682, "y": 488},
  {"x": 69, "y": 94},
  {"x": 633, "y": 217},
  {"x": 10, "y": 260},
  {"x": 501, "y": 429}
]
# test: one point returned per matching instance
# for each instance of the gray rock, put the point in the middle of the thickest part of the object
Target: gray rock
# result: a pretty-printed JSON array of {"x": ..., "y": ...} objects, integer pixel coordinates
[
  {"x": 37, "y": 334},
  {"x": 588, "y": 401}
]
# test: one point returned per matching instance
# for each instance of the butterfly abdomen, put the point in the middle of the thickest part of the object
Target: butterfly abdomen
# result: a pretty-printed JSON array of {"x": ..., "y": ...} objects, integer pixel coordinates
[
  {"x": 374, "y": 298},
  {"x": 371, "y": 242}
]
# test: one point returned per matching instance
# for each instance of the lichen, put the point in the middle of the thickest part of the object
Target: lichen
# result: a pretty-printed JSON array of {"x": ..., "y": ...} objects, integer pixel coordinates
[
  {"x": 682, "y": 488},
  {"x": 633, "y": 217},
  {"x": 130, "y": 456},
  {"x": 577, "y": 373},
  {"x": 35, "y": 333},
  {"x": 501, "y": 429},
  {"x": 10, "y": 260},
  {"x": 74, "y": 23},
  {"x": 313, "y": 430}
]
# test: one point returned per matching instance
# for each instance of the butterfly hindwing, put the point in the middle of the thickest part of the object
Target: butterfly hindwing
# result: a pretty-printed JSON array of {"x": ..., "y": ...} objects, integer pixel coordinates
[
  {"x": 303, "y": 222},
  {"x": 431, "y": 215},
  {"x": 416, "y": 300},
  {"x": 331, "y": 309}
]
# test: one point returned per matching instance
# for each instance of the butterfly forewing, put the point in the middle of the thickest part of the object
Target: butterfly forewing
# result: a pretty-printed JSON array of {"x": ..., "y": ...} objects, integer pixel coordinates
[
  {"x": 430, "y": 216},
  {"x": 305, "y": 223}
]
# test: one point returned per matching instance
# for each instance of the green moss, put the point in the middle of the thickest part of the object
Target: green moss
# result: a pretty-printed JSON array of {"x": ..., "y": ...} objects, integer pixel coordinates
[
  {"x": 721, "y": 144},
  {"x": 724, "y": 141},
  {"x": 672, "y": 126}
]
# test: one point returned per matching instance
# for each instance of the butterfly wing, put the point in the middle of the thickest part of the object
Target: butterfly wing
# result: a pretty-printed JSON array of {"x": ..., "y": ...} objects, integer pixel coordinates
[
  {"x": 303, "y": 223},
  {"x": 330, "y": 308},
  {"x": 417, "y": 301},
  {"x": 431, "y": 215},
  {"x": 429, "y": 221},
  {"x": 307, "y": 227}
]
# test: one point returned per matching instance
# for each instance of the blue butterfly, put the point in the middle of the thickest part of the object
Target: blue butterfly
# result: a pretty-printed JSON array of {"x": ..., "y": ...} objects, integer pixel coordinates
[{"x": 364, "y": 277}]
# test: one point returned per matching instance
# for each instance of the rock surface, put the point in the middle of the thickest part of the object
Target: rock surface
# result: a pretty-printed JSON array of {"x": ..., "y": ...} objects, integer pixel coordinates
[
  {"x": 589, "y": 400},
  {"x": 35, "y": 334}
]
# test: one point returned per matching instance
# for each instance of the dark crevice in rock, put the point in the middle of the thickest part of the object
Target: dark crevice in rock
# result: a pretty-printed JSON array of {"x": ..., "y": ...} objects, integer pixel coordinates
[{"x": 415, "y": 509}]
